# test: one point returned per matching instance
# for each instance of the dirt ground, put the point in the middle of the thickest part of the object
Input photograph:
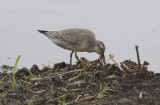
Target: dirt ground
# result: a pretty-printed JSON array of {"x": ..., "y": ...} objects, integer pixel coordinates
[{"x": 81, "y": 85}]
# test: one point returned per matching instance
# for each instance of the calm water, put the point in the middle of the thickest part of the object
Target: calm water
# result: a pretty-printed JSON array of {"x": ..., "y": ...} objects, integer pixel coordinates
[{"x": 120, "y": 24}]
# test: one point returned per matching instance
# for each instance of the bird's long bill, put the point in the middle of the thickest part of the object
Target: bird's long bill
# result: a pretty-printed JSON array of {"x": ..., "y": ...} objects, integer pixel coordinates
[{"x": 103, "y": 58}]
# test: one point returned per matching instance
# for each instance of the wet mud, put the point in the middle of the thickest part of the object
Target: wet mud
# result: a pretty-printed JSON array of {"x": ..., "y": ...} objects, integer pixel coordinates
[{"x": 81, "y": 85}]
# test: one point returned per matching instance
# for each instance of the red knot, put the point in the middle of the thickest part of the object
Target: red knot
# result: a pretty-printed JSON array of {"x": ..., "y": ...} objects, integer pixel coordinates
[{"x": 76, "y": 40}]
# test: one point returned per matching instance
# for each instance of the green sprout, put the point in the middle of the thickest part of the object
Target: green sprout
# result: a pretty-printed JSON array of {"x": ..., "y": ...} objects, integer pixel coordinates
[
  {"x": 3, "y": 97},
  {"x": 52, "y": 89},
  {"x": 1, "y": 82},
  {"x": 49, "y": 65},
  {"x": 95, "y": 72},
  {"x": 14, "y": 75},
  {"x": 111, "y": 76},
  {"x": 102, "y": 92},
  {"x": 29, "y": 101}
]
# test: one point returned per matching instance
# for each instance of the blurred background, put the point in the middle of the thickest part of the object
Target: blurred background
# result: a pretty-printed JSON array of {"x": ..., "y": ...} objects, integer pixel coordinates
[{"x": 120, "y": 24}]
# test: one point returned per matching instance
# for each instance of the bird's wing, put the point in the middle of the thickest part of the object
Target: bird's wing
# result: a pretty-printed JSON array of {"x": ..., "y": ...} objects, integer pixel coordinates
[
  {"x": 70, "y": 37},
  {"x": 76, "y": 35},
  {"x": 62, "y": 38}
]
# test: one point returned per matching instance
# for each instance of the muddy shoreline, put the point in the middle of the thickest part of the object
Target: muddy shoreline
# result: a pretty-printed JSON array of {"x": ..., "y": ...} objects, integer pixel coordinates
[{"x": 81, "y": 85}]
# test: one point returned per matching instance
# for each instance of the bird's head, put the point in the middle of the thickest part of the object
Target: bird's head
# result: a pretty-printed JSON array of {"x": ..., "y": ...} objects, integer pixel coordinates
[{"x": 100, "y": 49}]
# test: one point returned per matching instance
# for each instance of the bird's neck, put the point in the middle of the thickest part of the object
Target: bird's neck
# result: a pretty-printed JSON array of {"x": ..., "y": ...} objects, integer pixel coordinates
[{"x": 91, "y": 49}]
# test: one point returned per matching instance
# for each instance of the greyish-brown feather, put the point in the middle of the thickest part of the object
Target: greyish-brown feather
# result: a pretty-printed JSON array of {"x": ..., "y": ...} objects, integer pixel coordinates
[{"x": 75, "y": 39}]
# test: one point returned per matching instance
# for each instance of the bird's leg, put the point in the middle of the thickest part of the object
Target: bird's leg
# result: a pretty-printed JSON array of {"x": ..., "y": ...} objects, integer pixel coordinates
[
  {"x": 77, "y": 56},
  {"x": 71, "y": 57}
]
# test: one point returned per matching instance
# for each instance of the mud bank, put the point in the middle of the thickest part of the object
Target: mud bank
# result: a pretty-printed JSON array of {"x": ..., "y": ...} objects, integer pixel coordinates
[{"x": 81, "y": 85}]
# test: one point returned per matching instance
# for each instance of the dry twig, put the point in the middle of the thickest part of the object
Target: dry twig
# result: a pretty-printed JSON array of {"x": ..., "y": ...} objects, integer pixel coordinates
[
  {"x": 65, "y": 73},
  {"x": 125, "y": 66},
  {"x": 55, "y": 98},
  {"x": 128, "y": 69},
  {"x": 75, "y": 90},
  {"x": 38, "y": 92},
  {"x": 100, "y": 62},
  {"x": 36, "y": 79},
  {"x": 77, "y": 98},
  {"x": 85, "y": 98},
  {"x": 111, "y": 57},
  {"x": 92, "y": 64},
  {"x": 144, "y": 64},
  {"x": 71, "y": 79},
  {"x": 138, "y": 58}
]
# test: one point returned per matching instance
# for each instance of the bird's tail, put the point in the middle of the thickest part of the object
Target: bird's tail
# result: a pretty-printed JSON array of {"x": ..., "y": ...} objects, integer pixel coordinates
[{"x": 42, "y": 31}]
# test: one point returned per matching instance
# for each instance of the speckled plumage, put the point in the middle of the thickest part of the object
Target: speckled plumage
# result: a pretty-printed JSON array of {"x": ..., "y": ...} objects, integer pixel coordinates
[{"x": 76, "y": 40}]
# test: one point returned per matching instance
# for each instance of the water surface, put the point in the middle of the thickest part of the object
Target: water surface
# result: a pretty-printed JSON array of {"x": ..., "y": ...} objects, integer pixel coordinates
[{"x": 120, "y": 24}]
